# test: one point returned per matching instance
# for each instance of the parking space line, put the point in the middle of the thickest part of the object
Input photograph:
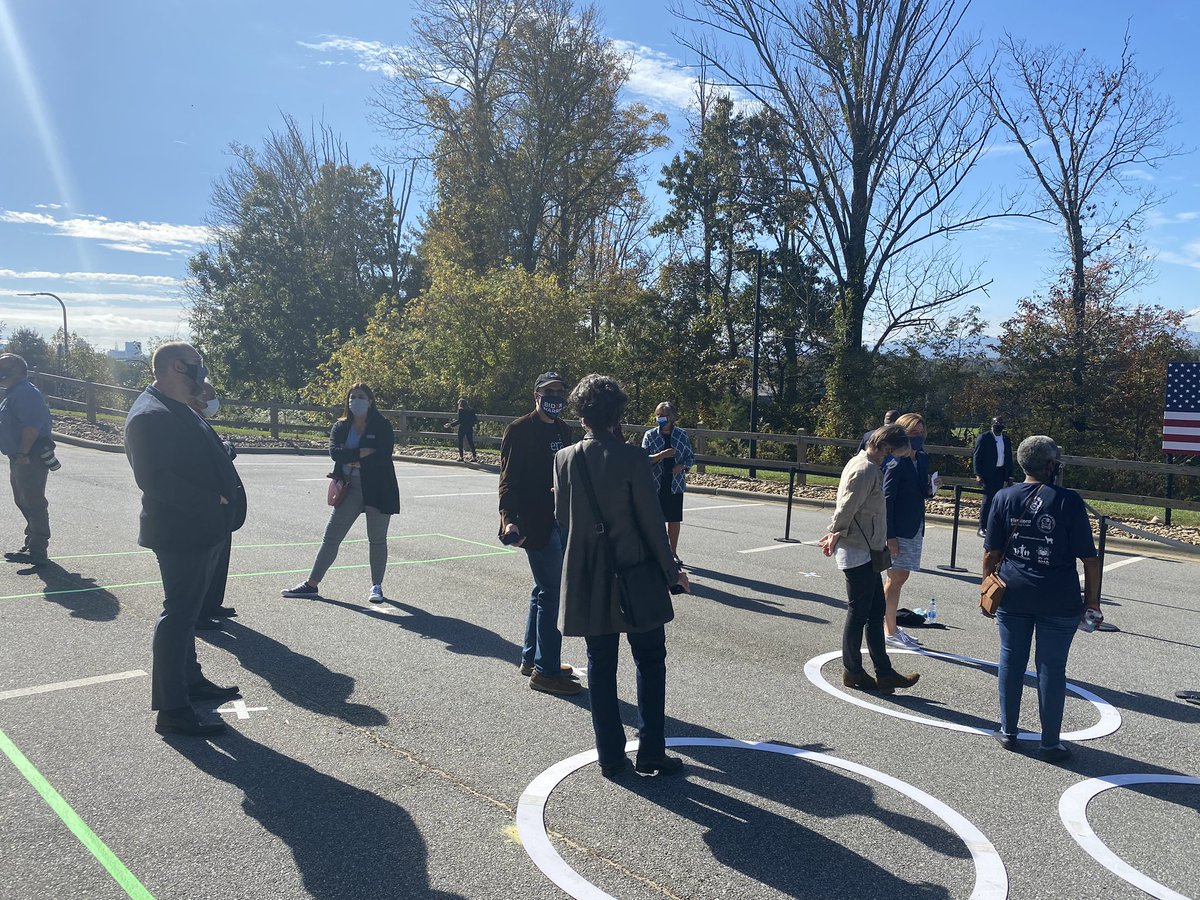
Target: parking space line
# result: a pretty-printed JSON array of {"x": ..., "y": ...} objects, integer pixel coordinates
[
  {"x": 67, "y": 685},
  {"x": 391, "y": 537},
  {"x": 502, "y": 551},
  {"x": 724, "y": 506},
  {"x": 1124, "y": 562},
  {"x": 467, "y": 494},
  {"x": 779, "y": 546},
  {"x": 126, "y": 879}
]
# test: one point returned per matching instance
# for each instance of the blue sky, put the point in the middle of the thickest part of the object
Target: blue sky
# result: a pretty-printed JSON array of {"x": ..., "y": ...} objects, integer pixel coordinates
[{"x": 117, "y": 117}]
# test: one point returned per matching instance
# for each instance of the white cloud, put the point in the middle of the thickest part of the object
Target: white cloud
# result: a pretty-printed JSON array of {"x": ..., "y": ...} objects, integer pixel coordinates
[
  {"x": 102, "y": 277},
  {"x": 132, "y": 237},
  {"x": 1188, "y": 255},
  {"x": 47, "y": 206},
  {"x": 1158, "y": 219},
  {"x": 657, "y": 76},
  {"x": 1140, "y": 174},
  {"x": 102, "y": 319},
  {"x": 371, "y": 56}
]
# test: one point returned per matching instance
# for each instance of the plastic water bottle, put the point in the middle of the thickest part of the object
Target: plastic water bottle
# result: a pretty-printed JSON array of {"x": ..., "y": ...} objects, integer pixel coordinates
[
  {"x": 931, "y": 613},
  {"x": 1090, "y": 620}
]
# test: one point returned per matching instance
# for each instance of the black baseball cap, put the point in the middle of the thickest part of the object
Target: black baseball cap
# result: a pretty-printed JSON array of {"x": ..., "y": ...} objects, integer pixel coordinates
[{"x": 548, "y": 378}]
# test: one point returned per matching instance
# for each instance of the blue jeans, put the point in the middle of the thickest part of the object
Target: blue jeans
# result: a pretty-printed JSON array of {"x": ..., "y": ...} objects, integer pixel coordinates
[
  {"x": 650, "y": 657},
  {"x": 543, "y": 640},
  {"x": 1054, "y": 636}
]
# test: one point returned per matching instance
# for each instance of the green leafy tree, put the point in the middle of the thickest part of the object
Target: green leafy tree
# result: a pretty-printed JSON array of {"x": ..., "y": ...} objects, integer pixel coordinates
[
  {"x": 31, "y": 346},
  {"x": 306, "y": 245}
]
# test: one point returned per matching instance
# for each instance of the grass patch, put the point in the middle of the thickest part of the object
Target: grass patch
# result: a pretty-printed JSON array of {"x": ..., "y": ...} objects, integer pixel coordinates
[{"x": 1184, "y": 517}]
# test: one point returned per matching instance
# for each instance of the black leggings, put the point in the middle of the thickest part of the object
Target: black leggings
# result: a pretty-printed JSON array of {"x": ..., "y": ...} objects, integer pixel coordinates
[{"x": 466, "y": 435}]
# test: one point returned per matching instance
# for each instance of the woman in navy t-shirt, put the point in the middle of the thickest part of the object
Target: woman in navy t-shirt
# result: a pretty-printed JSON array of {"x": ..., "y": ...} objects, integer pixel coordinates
[{"x": 1049, "y": 530}]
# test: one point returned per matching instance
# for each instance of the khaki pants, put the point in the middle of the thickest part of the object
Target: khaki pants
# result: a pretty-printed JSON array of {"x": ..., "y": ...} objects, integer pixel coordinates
[{"x": 28, "y": 480}]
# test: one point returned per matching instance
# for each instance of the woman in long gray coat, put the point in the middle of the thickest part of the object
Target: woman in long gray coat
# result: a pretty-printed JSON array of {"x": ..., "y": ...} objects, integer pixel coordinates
[{"x": 591, "y": 609}]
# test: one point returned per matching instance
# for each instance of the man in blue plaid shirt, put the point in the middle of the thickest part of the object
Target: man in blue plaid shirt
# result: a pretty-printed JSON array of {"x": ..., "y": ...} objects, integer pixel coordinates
[{"x": 670, "y": 458}]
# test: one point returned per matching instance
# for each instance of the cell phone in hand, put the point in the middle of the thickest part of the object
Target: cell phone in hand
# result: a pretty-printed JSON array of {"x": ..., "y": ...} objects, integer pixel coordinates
[
  {"x": 510, "y": 538},
  {"x": 677, "y": 588}
]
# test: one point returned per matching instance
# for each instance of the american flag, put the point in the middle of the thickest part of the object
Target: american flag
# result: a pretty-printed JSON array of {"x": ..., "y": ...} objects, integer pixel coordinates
[{"x": 1181, "y": 414}]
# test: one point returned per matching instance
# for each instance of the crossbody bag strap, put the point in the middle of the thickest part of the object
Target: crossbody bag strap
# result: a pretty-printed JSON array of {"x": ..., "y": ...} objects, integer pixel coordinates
[{"x": 600, "y": 527}]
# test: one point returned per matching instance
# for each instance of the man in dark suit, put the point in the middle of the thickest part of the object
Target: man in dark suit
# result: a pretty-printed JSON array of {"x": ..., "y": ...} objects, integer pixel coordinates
[
  {"x": 191, "y": 502},
  {"x": 993, "y": 464},
  {"x": 213, "y": 609},
  {"x": 889, "y": 418}
]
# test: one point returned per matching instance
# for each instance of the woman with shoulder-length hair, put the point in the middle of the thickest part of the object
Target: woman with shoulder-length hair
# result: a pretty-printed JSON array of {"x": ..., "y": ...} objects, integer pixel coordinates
[
  {"x": 905, "y": 488},
  {"x": 1035, "y": 532},
  {"x": 361, "y": 444},
  {"x": 858, "y": 529},
  {"x": 671, "y": 457},
  {"x": 632, "y": 525}
]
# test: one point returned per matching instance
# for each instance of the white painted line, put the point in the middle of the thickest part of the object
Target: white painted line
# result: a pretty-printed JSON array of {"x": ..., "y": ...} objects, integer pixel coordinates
[
  {"x": 465, "y": 494},
  {"x": 991, "y": 879},
  {"x": 724, "y": 506},
  {"x": 243, "y": 711},
  {"x": 779, "y": 547},
  {"x": 1110, "y": 719},
  {"x": 458, "y": 475},
  {"x": 67, "y": 685},
  {"x": 1072, "y": 809},
  {"x": 1124, "y": 562}
]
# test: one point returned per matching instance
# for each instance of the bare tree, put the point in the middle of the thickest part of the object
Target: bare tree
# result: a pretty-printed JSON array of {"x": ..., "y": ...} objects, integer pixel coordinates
[
  {"x": 1086, "y": 130},
  {"x": 886, "y": 126}
]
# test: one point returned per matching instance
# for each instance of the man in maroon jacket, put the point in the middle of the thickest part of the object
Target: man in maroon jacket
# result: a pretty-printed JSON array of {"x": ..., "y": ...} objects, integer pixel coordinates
[{"x": 527, "y": 521}]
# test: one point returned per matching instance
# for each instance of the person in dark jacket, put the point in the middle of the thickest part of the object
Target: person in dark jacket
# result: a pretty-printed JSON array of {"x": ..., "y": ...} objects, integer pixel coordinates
[
  {"x": 905, "y": 489},
  {"x": 993, "y": 465},
  {"x": 465, "y": 423},
  {"x": 634, "y": 524},
  {"x": 527, "y": 521},
  {"x": 889, "y": 418},
  {"x": 361, "y": 444},
  {"x": 192, "y": 499},
  {"x": 214, "y": 609},
  {"x": 24, "y": 429}
]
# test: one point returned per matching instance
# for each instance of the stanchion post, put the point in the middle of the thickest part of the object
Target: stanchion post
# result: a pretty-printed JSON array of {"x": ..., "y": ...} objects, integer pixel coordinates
[
  {"x": 787, "y": 527},
  {"x": 954, "y": 567},
  {"x": 1100, "y": 553}
]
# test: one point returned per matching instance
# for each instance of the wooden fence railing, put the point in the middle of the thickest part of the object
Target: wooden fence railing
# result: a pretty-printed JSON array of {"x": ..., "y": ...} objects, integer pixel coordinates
[{"x": 426, "y": 427}]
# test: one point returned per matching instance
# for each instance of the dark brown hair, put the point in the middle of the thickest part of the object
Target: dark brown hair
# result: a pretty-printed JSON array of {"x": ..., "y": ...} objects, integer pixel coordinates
[{"x": 358, "y": 385}]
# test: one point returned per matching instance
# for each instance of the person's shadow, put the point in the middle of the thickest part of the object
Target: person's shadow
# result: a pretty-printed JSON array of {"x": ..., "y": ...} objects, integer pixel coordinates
[
  {"x": 802, "y": 861},
  {"x": 348, "y": 843},
  {"x": 750, "y": 604},
  {"x": 298, "y": 679},
  {"x": 78, "y": 594},
  {"x": 767, "y": 588}
]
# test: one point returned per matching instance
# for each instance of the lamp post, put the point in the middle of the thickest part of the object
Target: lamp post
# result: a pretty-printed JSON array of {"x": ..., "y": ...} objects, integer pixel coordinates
[
  {"x": 757, "y": 251},
  {"x": 63, "y": 349}
]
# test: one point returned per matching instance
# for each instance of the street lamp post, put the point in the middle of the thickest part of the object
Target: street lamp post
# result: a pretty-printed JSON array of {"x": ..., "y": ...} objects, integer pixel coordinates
[{"x": 63, "y": 349}]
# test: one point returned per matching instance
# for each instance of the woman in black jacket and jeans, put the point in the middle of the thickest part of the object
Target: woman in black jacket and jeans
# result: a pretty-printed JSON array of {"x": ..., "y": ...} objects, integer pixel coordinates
[{"x": 360, "y": 443}]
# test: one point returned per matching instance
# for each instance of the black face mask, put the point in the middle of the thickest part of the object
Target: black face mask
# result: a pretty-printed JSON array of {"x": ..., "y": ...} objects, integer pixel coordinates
[
  {"x": 997, "y": 429},
  {"x": 196, "y": 372}
]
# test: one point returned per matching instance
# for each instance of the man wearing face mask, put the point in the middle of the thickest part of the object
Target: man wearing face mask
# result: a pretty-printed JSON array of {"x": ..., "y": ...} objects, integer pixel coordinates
[
  {"x": 527, "y": 521},
  {"x": 993, "y": 463},
  {"x": 207, "y": 404},
  {"x": 190, "y": 506}
]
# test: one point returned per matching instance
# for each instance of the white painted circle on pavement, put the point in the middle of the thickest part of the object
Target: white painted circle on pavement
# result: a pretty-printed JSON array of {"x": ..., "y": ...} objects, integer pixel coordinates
[
  {"x": 991, "y": 878},
  {"x": 1110, "y": 718},
  {"x": 1072, "y": 809}
]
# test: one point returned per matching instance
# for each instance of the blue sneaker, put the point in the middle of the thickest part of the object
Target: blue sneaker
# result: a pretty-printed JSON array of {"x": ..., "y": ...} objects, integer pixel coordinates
[{"x": 303, "y": 589}]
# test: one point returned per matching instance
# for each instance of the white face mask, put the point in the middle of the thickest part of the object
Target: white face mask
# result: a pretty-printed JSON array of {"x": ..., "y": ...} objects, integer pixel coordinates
[
  {"x": 212, "y": 407},
  {"x": 359, "y": 406}
]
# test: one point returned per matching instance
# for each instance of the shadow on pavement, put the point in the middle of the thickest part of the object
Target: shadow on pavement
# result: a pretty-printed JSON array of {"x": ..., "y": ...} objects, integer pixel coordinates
[
  {"x": 299, "y": 679},
  {"x": 74, "y": 592},
  {"x": 770, "y": 590},
  {"x": 348, "y": 843},
  {"x": 750, "y": 604}
]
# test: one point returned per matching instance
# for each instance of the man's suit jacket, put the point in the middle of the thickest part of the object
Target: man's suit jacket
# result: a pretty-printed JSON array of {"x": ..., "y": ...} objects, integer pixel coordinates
[
  {"x": 984, "y": 458},
  {"x": 183, "y": 470}
]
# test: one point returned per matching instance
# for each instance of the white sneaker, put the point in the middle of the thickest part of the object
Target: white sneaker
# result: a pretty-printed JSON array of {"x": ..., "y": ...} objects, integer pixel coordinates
[
  {"x": 376, "y": 593},
  {"x": 909, "y": 641},
  {"x": 895, "y": 640}
]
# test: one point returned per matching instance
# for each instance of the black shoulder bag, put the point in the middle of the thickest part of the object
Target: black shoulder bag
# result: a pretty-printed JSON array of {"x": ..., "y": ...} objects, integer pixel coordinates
[
  {"x": 881, "y": 560},
  {"x": 642, "y": 589}
]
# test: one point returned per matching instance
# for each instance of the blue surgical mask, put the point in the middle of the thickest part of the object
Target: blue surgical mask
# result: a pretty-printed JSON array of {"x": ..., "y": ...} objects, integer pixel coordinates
[
  {"x": 662, "y": 421},
  {"x": 212, "y": 407},
  {"x": 918, "y": 443},
  {"x": 359, "y": 406}
]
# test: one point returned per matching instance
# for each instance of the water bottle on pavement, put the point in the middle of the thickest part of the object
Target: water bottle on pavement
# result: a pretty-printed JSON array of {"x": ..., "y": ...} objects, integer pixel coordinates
[
  {"x": 931, "y": 613},
  {"x": 1090, "y": 620}
]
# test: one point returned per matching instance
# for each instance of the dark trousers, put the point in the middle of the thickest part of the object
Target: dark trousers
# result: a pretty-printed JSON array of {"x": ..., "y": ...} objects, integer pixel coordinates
[
  {"x": 185, "y": 576},
  {"x": 28, "y": 480},
  {"x": 864, "y": 612},
  {"x": 990, "y": 489},
  {"x": 468, "y": 436},
  {"x": 650, "y": 658},
  {"x": 214, "y": 597}
]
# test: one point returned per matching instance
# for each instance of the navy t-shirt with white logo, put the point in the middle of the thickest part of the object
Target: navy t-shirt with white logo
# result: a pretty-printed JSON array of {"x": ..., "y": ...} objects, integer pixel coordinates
[{"x": 1039, "y": 567}]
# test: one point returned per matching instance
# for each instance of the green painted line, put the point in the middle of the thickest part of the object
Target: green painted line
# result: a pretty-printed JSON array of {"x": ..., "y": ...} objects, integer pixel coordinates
[
  {"x": 452, "y": 537},
  {"x": 391, "y": 537},
  {"x": 78, "y": 827},
  {"x": 131, "y": 584}
]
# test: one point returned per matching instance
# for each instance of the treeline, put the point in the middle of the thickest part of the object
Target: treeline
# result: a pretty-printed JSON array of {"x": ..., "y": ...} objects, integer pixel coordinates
[{"x": 837, "y": 154}]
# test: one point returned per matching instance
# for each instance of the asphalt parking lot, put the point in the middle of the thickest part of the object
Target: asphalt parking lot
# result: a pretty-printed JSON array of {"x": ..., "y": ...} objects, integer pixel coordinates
[{"x": 390, "y": 751}]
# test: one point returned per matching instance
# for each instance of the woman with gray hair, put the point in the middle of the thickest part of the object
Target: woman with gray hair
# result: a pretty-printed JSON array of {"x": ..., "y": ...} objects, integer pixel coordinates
[{"x": 1035, "y": 532}]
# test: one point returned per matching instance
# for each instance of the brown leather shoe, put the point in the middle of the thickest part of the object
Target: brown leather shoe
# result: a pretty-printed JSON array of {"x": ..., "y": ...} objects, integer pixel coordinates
[
  {"x": 567, "y": 670},
  {"x": 861, "y": 681},
  {"x": 560, "y": 685},
  {"x": 895, "y": 680}
]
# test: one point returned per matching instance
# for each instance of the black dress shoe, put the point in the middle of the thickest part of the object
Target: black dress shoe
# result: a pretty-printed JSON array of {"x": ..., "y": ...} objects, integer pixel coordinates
[
  {"x": 668, "y": 765},
  {"x": 24, "y": 556},
  {"x": 617, "y": 769},
  {"x": 206, "y": 690},
  {"x": 184, "y": 721},
  {"x": 204, "y": 623},
  {"x": 224, "y": 612}
]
